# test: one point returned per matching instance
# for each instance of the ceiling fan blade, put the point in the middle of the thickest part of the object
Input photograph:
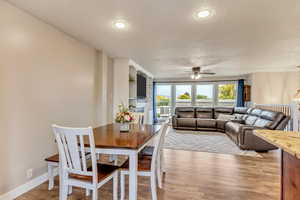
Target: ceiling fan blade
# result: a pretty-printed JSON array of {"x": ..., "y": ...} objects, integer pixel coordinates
[{"x": 207, "y": 73}]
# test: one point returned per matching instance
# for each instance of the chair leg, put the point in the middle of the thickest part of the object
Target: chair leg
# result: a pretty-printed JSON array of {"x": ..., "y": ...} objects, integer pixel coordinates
[
  {"x": 65, "y": 192},
  {"x": 115, "y": 186},
  {"x": 159, "y": 177},
  {"x": 87, "y": 192},
  {"x": 95, "y": 194},
  {"x": 153, "y": 186},
  {"x": 50, "y": 177},
  {"x": 63, "y": 186},
  {"x": 158, "y": 172},
  {"x": 70, "y": 190},
  {"x": 98, "y": 156},
  {"x": 122, "y": 181},
  {"x": 162, "y": 163}
]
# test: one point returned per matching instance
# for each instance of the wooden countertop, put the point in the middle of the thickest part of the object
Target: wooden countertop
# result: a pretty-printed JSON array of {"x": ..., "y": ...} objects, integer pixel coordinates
[{"x": 287, "y": 141}]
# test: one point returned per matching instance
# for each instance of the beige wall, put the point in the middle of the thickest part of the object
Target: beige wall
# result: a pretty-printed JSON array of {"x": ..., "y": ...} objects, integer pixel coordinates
[
  {"x": 274, "y": 87},
  {"x": 120, "y": 83},
  {"x": 46, "y": 77},
  {"x": 103, "y": 89}
]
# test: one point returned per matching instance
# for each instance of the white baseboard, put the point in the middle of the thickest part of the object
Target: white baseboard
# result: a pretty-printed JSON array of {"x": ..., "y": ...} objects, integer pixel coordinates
[{"x": 11, "y": 195}]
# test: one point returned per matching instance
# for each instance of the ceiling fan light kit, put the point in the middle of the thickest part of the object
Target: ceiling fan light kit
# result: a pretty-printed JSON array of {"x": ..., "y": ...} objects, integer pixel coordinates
[
  {"x": 196, "y": 73},
  {"x": 195, "y": 76}
]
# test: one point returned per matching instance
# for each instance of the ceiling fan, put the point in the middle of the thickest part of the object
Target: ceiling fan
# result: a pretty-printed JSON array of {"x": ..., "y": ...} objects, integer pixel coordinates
[{"x": 196, "y": 73}]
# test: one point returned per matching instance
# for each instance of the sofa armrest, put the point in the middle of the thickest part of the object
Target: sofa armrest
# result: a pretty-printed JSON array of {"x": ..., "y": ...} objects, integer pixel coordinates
[
  {"x": 283, "y": 123},
  {"x": 249, "y": 128},
  {"x": 248, "y": 141},
  {"x": 244, "y": 130},
  {"x": 174, "y": 121}
]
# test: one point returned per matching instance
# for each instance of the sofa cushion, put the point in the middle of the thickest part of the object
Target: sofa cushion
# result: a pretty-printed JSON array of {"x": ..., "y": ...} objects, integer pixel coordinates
[
  {"x": 204, "y": 113},
  {"x": 256, "y": 112},
  {"x": 249, "y": 110},
  {"x": 225, "y": 117},
  {"x": 262, "y": 123},
  {"x": 241, "y": 110},
  {"x": 232, "y": 130},
  {"x": 274, "y": 117},
  {"x": 221, "y": 124},
  {"x": 185, "y": 112},
  {"x": 186, "y": 122},
  {"x": 250, "y": 120},
  {"x": 232, "y": 127},
  {"x": 222, "y": 110},
  {"x": 206, "y": 123}
]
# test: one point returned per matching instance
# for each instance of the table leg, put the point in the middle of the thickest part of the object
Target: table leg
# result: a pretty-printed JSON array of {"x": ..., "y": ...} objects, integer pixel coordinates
[
  {"x": 60, "y": 182},
  {"x": 133, "y": 162}
]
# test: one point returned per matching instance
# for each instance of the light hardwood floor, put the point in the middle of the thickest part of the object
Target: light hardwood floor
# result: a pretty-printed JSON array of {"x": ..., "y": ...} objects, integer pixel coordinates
[{"x": 199, "y": 176}]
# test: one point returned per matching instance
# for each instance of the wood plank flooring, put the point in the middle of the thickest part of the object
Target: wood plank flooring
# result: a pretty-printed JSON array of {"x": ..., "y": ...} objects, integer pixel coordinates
[{"x": 199, "y": 176}]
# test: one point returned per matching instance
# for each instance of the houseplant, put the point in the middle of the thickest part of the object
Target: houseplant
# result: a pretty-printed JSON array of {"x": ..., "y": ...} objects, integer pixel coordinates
[{"x": 124, "y": 117}]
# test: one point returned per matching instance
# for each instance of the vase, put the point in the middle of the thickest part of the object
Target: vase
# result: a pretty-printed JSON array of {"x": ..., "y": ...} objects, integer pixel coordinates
[{"x": 124, "y": 127}]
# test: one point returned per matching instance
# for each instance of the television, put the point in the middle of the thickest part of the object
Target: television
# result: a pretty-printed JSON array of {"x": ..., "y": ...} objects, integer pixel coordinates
[{"x": 141, "y": 86}]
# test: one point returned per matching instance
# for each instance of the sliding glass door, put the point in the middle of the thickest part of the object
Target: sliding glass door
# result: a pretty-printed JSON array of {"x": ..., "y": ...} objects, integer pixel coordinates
[{"x": 163, "y": 101}]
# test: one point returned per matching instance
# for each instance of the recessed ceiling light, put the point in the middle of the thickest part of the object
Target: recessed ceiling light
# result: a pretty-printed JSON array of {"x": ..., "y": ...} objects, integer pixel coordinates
[
  {"x": 120, "y": 24},
  {"x": 203, "y": 13}
]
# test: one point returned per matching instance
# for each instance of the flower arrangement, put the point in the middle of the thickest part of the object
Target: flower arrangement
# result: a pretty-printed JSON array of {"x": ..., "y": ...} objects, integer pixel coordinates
[{"x": 124, "y": 115}]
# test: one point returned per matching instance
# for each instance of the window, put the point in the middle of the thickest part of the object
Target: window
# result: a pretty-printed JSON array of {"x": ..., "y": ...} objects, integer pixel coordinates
[
  {"x": 163, "y": 101},
  {"x": 226, "y": 94},
  {"x": 204, "y": 95},
  {"x": 183, "y": 95}
]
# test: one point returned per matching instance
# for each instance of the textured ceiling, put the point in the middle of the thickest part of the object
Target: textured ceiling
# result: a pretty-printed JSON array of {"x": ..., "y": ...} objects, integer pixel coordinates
[{"x": 244, "y": 36}]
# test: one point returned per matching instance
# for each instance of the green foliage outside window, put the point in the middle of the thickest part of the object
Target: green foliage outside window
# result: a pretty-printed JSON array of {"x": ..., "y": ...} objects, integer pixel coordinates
[
  {"x": 162, "y": 101},
  {"x": 227, "y": 92},
  {"x": 186, "y": 95},
  {"x": 200, "y": 96}
]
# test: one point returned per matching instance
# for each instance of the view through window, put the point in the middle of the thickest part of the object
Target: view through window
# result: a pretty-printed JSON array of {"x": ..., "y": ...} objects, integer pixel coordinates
[
  {"x": 163, "y": 101},
  {"x": 204, "y": 95},
  {"x": 183, "y": 95},
  {"x": 171, "y": 95},
  {"x": 226, "y": 94}
]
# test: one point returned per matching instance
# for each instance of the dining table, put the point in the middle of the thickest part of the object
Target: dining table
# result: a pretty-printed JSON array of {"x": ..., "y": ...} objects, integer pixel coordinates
[{"x": 110, "y": 140}]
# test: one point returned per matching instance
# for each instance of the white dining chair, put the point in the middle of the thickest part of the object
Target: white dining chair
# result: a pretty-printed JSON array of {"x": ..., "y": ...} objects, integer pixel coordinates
[
  {"x": 147, "y": 165},
  {"x": 75, "y": 170},
  {"x": 148, "y": 151}
]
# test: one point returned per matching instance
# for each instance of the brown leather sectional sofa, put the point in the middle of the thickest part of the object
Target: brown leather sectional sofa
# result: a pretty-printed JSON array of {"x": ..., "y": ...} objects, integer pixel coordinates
[{"x": 239, "y": 128}]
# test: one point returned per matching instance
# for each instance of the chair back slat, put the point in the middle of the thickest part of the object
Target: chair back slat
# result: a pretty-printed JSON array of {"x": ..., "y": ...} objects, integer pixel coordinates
[
  {"x": 82, "y": 153},
  {"x": 66, "y": 152},
  {"x": 72, "y": 150},
  {"x": 72, "y": 144},
  {"x": 158, "y": 145}
]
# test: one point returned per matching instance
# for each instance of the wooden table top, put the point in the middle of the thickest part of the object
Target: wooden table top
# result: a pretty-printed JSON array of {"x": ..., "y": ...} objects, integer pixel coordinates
[
  {"x": 287, "y": 141},
  {"x": 109, "y": 136}
]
